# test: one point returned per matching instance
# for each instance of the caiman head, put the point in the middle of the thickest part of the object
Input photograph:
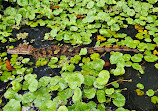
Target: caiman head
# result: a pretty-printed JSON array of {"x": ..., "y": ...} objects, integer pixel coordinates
[{"x": 21, "y": 49}]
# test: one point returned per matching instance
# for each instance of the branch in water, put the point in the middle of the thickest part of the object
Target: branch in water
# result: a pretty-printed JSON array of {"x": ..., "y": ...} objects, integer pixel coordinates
[{"x": 120, "y": 80}]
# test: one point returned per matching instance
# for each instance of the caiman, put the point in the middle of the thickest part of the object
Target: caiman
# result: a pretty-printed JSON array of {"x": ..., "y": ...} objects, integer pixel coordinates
[{"x": 67, "y": 50}]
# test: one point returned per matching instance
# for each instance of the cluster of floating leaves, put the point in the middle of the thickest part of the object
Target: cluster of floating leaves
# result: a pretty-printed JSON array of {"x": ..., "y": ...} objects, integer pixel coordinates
[{"x": 75, "y": 22}]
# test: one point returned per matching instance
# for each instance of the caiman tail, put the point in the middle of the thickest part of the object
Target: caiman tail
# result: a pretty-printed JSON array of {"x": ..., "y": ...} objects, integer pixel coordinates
[{"x": 110, "y": 48}]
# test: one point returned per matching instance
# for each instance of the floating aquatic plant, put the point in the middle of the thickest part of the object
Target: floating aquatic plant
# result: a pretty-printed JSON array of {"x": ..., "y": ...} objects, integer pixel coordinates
[{"x": 76, "y": 22}]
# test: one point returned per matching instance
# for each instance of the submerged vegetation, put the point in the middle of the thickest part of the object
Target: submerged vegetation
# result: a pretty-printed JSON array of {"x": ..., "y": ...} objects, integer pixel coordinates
[{"x": 85, "y": 81}]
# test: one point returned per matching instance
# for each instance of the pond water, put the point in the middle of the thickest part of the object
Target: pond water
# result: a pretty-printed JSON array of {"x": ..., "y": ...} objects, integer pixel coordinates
[{"x": 149, "y": 80}]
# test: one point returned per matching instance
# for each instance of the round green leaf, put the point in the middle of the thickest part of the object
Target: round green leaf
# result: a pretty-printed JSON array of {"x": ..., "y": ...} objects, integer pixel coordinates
[
  {"x": 83, "y": 51},
  {"x": 119, "y": 71},
  {"x": 90, "y": 4},
  {"x": 81, "y": 106},
  {"x": 44, "y": 81},
  {"x": 10, "y": 11},
  {"x": 28, "y": 97},
  {"x": 77, "y": 95},
  {"x": 156, "y": 65},
  {"x": 154, "y": 99},
  {"x": 88, "y": 80},
  {"x": 121, "y": 109},
  {"x": 140, "y": 86},
  {"x": 150, "y": 92},
  {"x": 33, "y": 85},
  {"x": 103, "y": 16},
  {"x": 73, "y": 28},
  {"x": 12, "y": 105},
  {"x": 115, "y": 27},
  {"x": 119, "y": 100},
  {"x": 25, "y": 60},
  {"x": 74, "y": 80},
  {"x": 130, "y": 12},
  {"x": 109, "y": 91},
  {"x": 126, "y": 57},
  {"x": 62, "y": 108},
  {"x": 101, "y": 96},
  {"x": 151, "y": 58},
  {"x": 49, "y": 105},
  {"x": 16, "y": 86},
  {"x": 90, "y": 93},
  {"x": 137, "y": 58},
  {"x": 10, "y": 94},
  {"x": 105, "y": 32},
  {"x": 53, "y": 32},
  {"x": 103, "y": 78}
]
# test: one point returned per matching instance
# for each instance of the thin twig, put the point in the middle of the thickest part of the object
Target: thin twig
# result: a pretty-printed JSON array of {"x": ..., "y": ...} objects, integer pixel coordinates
[
  {"x": 5, "y": 89},
  {"x": 103, "y": 54},
  {"x": 118, "y": 81}
]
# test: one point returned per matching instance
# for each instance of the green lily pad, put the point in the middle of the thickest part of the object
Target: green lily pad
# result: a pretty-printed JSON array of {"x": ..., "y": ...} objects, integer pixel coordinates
[
  {"x": 77, "y": 95},
  {"x": 150, "y": 92},
  {"x": 101, "y": 96},
  {"x": 103, "y": 77}
]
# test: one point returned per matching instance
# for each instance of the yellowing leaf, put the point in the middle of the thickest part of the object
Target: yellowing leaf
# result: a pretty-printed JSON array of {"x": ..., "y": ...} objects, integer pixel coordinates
[
  {"x": 41, "y": 12},
  {"x": 139, "y": 27},
  {"x": 57, "y": 25},
  {"x": 155, "y": 52},
  {"x": 139, "y": 35},
  {"x": 139, "y": 92},
  {"x": 145, "y": 31},
  {"x": 140, "y": 31},
  {"x": 101, "y": 38}
]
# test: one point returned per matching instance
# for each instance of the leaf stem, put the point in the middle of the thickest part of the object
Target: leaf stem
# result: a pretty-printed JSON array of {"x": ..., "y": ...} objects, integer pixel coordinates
[
  {"x": 5, "y": 89},
  {"x": 120, "y": 80}
]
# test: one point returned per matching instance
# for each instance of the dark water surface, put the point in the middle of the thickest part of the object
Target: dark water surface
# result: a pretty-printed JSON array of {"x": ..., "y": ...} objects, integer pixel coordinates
[{"x": 150, "y": 81}]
